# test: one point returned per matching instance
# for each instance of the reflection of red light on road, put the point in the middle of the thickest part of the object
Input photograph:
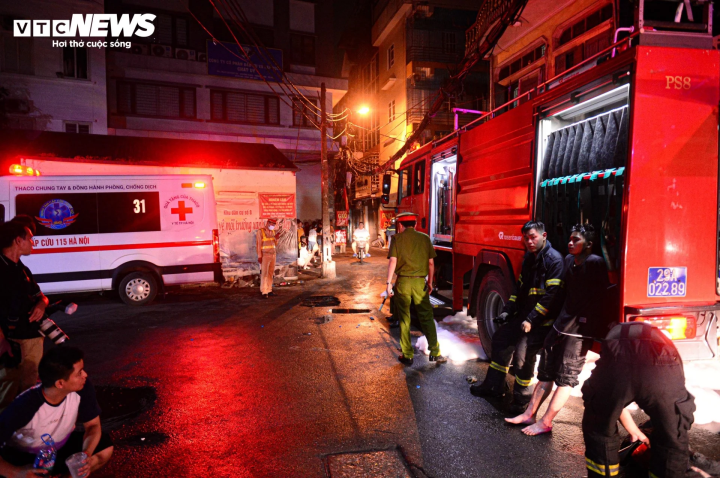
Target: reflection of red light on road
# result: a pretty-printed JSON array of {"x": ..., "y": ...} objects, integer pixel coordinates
[{"x": 218, "y": 395}]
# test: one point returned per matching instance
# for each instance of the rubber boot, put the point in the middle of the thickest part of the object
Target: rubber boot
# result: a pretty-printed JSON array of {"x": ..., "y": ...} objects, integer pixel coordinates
[
  {"x": 494, "y": 385},
  {"x": 521, "y": 398}
]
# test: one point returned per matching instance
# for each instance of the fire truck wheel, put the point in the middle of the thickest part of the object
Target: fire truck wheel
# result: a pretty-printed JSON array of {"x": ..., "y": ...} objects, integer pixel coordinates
[
  {"x": 138, "y": 288},
  {"x": 493, "y": 293}
]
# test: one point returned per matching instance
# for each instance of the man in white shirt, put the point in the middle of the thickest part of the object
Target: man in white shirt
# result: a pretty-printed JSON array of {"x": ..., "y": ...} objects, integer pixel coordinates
[
  {"x": 363, "y": 236},
  {"x": 64, "y": 397}
]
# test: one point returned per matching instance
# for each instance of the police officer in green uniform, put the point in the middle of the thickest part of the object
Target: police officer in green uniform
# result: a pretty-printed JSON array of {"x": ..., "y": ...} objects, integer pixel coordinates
[{"x": 411, "y": 258}]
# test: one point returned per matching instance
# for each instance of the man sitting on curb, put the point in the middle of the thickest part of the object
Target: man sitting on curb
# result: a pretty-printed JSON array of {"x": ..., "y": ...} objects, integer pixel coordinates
[{"x": 64, "y": 398}]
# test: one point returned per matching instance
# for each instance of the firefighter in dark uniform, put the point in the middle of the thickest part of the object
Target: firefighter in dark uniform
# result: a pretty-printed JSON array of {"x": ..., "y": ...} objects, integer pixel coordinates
[
  {"x": 529, "y": 313},
  {"x": 638, "y": 363},
  {"x": 411, "y": 258}
]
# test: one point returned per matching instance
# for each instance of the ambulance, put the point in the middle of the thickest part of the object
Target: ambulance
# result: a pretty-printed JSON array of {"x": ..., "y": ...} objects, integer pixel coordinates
[{"x": 133, "y": 234}]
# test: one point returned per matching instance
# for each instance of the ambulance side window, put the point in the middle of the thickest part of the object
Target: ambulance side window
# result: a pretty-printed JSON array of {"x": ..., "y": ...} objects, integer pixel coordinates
[
  {"x": 128, "y": 212},
  {"x": 59, "y": 213}
]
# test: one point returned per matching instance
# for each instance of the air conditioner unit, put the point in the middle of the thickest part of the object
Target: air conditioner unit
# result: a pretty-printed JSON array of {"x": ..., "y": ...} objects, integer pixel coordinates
[
  {"x": 140, "y": 49},
  {"x": 162, "y": 50},
  {"x": 184, "y": 54},
  {"x": 202, "y": 57}
]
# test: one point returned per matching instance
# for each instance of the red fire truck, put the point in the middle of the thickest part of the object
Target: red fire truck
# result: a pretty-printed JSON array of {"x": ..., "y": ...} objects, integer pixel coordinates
[{"x": 629, "y": 144}]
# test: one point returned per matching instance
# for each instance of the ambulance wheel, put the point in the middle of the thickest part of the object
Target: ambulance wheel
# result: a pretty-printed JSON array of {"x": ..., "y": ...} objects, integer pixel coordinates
[
  {"x": 493, "y": 293},
  {"x": 138, "y": 288}
]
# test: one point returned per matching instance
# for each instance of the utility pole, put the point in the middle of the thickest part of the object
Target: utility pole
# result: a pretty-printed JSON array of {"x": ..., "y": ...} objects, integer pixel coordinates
[{"x": 328, "y": 266}]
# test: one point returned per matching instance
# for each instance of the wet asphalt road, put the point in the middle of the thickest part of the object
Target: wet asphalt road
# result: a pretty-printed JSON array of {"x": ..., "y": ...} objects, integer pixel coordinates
[{"x": 217, "y": 382}]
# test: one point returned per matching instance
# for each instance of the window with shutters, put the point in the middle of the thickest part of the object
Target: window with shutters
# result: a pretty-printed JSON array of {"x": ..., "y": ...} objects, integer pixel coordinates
[
  {"x": 156, "y": 100},
  {"x": 169, "y": 30},
  {"x": 391, "y": 56},
  {"x": 75, "y": 63},
  {"x": 304, "y": 113},
  {"x": 77, "y": 127},
  {"x": 391, "y": 111},
  {"x": 302, "y": 49},
  {"x": 16, "y": 55},
  {"x": 449, "y": 42},
  {"x": 241, "y": 107},
  {"x": 586, "y": 24},
  {"x": 522, "y": 61}
]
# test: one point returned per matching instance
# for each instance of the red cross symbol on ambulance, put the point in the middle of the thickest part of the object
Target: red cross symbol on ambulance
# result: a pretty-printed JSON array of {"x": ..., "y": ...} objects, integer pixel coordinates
[{"x": 181, "y": 210}]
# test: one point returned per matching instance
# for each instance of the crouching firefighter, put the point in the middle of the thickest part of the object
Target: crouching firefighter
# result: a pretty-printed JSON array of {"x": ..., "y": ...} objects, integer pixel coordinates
[
  {"x": 638, "y": 363},
  {"x": 528, "y": 316}
]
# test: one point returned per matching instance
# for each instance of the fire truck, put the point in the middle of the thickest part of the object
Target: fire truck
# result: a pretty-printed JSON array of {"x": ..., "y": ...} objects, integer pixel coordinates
[{"x": 626, "y": 141}]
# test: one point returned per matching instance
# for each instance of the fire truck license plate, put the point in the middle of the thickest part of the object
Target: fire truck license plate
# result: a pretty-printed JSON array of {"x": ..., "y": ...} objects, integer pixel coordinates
[{"x": 667, "y": 281}]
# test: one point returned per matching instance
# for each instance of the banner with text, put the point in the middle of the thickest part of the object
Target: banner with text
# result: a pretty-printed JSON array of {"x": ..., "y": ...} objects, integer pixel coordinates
[{"x": 277, "y": 205}]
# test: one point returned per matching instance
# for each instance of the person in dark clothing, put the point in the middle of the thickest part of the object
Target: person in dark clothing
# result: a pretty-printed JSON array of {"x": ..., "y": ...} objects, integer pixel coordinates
[
  {"x": 638, "y": 363},
  {"x": 22, "y": 304},
  {"x": 530, "y": 313},
  {"x": 580, "y": 321}
]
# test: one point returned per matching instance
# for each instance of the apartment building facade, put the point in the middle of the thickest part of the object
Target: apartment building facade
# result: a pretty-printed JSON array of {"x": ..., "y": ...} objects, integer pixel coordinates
[
  {"x": 184, "y": 81},
  {"x": 549, "y": 38},
  {"x": 50, "y": 88},
  {"x": 411, "y": 50}
]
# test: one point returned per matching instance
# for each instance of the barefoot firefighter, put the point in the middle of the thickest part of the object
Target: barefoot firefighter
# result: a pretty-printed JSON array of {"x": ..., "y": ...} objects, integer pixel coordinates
[{"x": 585, "y": 316}]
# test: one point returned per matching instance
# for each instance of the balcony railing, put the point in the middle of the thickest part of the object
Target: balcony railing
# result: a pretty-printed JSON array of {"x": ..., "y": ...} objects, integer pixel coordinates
[{"x": 436, "y": 54}]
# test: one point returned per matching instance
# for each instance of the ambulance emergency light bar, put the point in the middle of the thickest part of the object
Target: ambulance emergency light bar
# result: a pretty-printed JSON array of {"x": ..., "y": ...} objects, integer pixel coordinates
[{"x": 20, "y": 170}]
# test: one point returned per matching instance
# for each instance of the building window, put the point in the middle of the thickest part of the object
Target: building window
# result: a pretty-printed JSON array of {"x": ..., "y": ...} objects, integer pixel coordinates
[
  {"x": 391, "y": 111},
  {"x": 236, "y": 107},
  {"x": 16, "y": 55},
  {"x": 304, "y": 113},
  {"x": 302, "y": 49},
  {"x": 449, "y": 42},
  {"x": 517, "y": 64},
  {"x": 586, "y": 24},
  {"x": 155, "y": 100},
  {"x": 391, "y": 56},
  {"x": 170, "y": 30},
  {"x": 75, "y": 63},
  {"x": 75, "y": 127}
]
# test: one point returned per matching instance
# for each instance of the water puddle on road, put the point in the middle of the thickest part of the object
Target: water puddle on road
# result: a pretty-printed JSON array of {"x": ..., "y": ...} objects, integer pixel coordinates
[{"x": 119, "y": 405}]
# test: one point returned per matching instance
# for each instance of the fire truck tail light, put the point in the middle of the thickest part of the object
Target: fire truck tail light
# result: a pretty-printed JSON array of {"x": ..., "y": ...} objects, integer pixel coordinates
[
  {"x": 216, "y": 245},
  {"x": 676, "y": 327}
]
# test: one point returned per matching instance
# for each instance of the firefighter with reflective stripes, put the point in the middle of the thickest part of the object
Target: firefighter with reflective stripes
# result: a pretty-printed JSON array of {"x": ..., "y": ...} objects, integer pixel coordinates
[
  {"x": 638, "y": 363},
  {"x": 529, "y": 313},
  {"x": 266, "y": 249}
]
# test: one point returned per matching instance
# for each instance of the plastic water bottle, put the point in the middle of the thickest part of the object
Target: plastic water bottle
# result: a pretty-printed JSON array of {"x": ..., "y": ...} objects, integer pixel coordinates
[{"x": 45, "y": 459}]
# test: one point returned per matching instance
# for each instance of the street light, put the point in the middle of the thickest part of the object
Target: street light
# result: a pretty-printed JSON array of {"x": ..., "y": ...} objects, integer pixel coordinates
[{"x": 363, "y": 110}]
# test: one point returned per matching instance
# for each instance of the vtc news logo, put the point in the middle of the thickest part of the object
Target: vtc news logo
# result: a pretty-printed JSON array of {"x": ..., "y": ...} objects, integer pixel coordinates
[{"x": 91, "y": 25}]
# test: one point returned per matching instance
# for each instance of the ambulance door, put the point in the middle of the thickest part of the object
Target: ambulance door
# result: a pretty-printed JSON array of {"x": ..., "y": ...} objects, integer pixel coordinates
[{"x": 65, "y": 256}]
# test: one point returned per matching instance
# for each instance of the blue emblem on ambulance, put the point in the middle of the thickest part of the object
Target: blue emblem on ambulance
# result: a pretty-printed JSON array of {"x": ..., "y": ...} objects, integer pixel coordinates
[{"x": 56, "y": 214}]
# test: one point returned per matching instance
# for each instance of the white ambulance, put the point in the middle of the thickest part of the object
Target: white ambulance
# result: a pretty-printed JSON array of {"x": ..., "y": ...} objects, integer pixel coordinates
[{"x": 133, "y": 234}]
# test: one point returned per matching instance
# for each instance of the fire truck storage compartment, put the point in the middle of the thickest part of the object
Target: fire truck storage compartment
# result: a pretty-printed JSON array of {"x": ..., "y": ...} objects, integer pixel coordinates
[
  {"x": 442, "y": 200},
  {"x": 582, "y": 154}
]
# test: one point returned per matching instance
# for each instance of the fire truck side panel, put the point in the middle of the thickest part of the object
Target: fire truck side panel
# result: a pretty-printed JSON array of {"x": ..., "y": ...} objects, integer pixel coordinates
[
  {"x": 495, "y": 195},
  {"x": 675, "y": 161},
  {"x": 672, "y": 201}
]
